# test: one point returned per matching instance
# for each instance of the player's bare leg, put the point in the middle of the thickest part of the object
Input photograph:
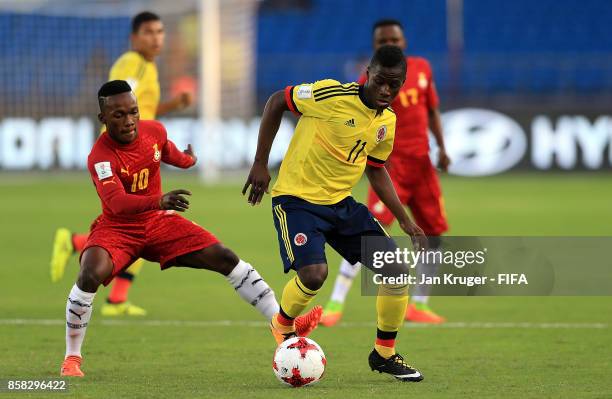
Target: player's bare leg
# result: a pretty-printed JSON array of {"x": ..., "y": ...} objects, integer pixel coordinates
[
  {"x": 66, "y": 244},
  {"x": 96, "y": 266},
  {"x": 247, "y": 282},
  {"x": 297, "y": 294}
]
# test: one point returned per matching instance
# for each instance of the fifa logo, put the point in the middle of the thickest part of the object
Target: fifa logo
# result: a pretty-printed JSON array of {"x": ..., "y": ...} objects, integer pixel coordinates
[{"x": 157, "y": 153}]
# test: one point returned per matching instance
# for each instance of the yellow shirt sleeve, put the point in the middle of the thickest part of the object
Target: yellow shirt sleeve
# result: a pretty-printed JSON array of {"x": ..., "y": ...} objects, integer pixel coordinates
[
  {"x": 308, "y": 99},
  {"x": 142, "y": 78},
  {"x": 130, "y": 67},
  {"x": 379, "y": 154}
]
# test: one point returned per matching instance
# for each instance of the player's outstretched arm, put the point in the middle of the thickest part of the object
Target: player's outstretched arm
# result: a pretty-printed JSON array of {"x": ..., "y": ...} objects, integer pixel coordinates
[
  {"x": 181, "y": 159},
  {"x": 383, "y": 187},
  {"x": 259, "y": 176},
  {"x": 179, "y": 102}
]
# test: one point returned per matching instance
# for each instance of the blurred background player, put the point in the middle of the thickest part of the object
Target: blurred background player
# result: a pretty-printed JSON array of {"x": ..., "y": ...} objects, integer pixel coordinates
[
  {"x": 411, "y": 170},
  {"x": 138, "y": 68}
]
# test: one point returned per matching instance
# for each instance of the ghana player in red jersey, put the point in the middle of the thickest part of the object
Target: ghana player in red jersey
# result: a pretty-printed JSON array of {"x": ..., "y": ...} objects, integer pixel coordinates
[
  {"x": 413, "y": 175},
  {"x": 136, "y": 66},
  {"x": 137, "y": 220}
]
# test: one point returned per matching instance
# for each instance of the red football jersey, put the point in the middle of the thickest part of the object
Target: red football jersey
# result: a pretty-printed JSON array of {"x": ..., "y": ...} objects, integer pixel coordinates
[
  {"x": 127, "y": 176},
  {"x": 412, "y": 105}
]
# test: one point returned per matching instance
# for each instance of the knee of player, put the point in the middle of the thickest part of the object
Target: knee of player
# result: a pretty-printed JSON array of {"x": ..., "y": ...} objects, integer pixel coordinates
[
  {"x": 313, "y": 276},
  {"x": 227, "y": 259},
  {"x": 90, "y": 277},
  {"x": 96, "y": 266}
]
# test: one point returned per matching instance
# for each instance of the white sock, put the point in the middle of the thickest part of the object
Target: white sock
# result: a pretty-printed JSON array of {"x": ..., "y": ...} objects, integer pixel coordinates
[
  {"x": 344, "y": 280},
  {"x": 78, "y": 313},
  {"x": 253, "y": 289},
  {"x": 420, "y": 299},
  {"x": 421, "y": 291}
]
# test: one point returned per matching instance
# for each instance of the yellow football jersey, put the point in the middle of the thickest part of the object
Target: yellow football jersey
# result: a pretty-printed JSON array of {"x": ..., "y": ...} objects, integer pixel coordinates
[
  {"x": 142, "y": 77},
  {"x": 336, "y": 136}
]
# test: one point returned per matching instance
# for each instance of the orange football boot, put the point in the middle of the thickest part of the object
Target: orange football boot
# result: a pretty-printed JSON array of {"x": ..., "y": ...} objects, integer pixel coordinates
[
  {"x": 332, "y": 313},
  {"x": 302, "y": 325},
  {"x": 279, "y": 336},
  {"x": 422, "y": 314},
  {"x": 308, "y": 322},
  {"x": 331, "y": 319},
  {"x": 71, "y": 367}
]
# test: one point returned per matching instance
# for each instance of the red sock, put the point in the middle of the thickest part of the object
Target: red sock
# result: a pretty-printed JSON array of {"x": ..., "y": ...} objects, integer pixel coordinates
[
  {"x": 389, "y": 343},
  {"x": 119, "y": 290},
  {"x": 385, "y": 343},
  {"x": 78, "y": 241}
]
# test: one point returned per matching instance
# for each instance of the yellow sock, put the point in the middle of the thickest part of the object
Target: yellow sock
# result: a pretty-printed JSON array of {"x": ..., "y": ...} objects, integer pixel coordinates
[
  {"x": 384, "y": 351},
  {"x": 391, "y": 308},
  {"x": 294, "y": 300},
  {"x": 296, "y": 297},
  {"x": 134, "y": 269}
]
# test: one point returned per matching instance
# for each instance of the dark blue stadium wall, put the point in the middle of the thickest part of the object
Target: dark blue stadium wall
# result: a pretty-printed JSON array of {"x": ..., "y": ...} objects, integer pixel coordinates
[{"x": 519, "y": 47}]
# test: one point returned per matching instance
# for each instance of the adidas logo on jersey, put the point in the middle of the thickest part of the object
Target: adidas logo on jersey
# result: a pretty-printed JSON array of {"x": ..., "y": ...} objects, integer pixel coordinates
[{"x": 350, "y": 123}]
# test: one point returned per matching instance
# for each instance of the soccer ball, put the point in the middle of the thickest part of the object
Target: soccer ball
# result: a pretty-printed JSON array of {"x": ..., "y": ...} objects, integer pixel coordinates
[{"x": 299, "y": 362}]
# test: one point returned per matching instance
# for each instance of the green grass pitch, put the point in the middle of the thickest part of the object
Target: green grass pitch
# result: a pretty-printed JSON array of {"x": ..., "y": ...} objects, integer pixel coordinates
[{"x": 508, "y": 347}]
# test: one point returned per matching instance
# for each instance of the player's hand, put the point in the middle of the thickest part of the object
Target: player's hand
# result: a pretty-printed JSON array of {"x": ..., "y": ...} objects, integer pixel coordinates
[
  {"x": 186, "y": 99},
  {"x": 182, "y": 100},
  {"x": 443, "y": 161},
  {"x": 174, "y": 201},
  {"x": 189, "y": 151},
  {"x": 259, "y": 179},
  {"x": 419, "y": 239}
]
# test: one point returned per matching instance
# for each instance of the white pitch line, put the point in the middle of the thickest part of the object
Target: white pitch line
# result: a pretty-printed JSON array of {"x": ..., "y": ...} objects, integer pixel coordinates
[{"x": 259, "y": 324}]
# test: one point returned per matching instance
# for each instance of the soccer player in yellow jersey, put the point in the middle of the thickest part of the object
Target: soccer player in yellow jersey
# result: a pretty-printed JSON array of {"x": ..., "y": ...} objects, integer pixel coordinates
[
  {"x": 343, "y": 130},
  {"x": 137, "y": 67}
]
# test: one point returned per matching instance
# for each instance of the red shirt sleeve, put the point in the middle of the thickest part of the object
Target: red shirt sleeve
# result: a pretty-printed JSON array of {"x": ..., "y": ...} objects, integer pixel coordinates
[
  {"x": 172, "y": 155},
  {"x": 105, "y": 175}
]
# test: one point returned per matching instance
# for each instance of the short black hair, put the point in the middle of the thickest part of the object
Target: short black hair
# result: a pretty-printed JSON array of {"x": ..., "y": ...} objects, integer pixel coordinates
[
  {"x": 143, "y": 17},
  {"x": 387, "y": 22},
  {"x": 110, "y": 89},
  {"x": 389, "y": 57}
]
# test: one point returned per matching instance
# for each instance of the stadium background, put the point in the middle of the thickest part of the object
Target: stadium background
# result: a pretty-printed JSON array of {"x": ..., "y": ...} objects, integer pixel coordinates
[
  {"x": 526, "y": 92},
  {"x": 542, "y": 66}
]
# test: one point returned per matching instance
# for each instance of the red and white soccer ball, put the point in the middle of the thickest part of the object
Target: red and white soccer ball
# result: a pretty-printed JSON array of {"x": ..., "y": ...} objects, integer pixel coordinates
[{"x": 299, "y": 362}]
